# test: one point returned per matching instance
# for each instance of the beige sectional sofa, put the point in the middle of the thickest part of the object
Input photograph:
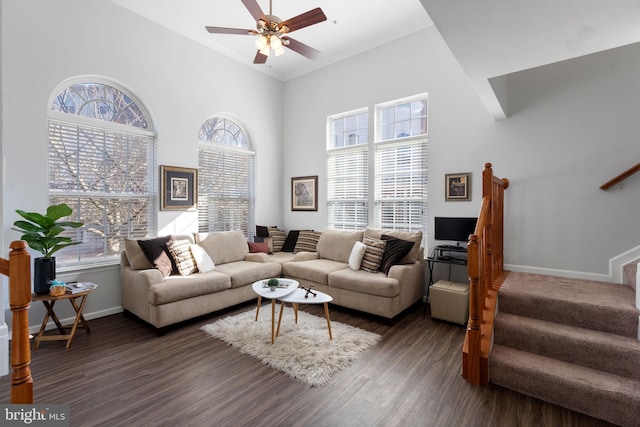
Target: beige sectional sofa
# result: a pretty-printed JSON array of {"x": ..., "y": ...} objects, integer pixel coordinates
[{"x": 163, "y": 301}]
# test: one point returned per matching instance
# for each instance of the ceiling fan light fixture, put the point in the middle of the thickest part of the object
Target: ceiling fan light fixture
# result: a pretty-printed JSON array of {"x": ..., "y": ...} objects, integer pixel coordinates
[
  {"x": 279, "y": 51},
  {"x": 262, "y": 43},
  {"x": 266, "y": 51},
  {"x": 276, "y": 43}
]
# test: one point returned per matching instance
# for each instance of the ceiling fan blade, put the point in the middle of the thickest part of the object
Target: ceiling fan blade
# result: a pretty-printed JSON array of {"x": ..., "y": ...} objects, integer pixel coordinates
[
  {"x": 308, "y": 18},
  {"x": 254, "y": 9},
  {"x": 223, "y": 30},
  {"x": 260, "y": 58},
  {"x": 301, "y": 48}
]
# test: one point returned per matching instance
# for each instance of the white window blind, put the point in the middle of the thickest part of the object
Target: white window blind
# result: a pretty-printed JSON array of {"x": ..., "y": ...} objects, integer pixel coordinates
[
  {"x": 106, "y": 177},
  {"x": 347, "y": 188},
  {"x": 401, "y": 184},
  {"x": 225, "y": 191},
  {"x": 348, "y": 170}
]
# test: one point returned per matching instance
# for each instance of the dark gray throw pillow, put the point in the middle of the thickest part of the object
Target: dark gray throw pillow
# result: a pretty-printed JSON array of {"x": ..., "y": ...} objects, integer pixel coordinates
[
  {"x": 157, "y": 253},
  {"x": 290, "y": 241},
  {"x": 394, "y": 251}
]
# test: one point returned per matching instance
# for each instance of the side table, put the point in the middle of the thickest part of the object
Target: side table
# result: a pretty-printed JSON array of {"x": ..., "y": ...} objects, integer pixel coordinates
[
  {"x": 79, "y": 321},
  {"x": 273, "y": 295}
]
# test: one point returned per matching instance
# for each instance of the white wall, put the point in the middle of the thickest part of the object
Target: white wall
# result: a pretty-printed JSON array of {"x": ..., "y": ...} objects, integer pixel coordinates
[
  {"x": 180, "y": 82},
  {"x": 573, "y": 126}
]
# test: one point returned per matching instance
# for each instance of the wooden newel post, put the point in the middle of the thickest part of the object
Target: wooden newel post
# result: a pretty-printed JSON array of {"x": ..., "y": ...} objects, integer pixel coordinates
[
  {"x": 471, "y": 366},
  {"x": 19, "y": 300}
]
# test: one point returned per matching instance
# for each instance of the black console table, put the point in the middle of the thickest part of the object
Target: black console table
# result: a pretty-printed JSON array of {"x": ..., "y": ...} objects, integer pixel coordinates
[{"x": 446, "y": 254}]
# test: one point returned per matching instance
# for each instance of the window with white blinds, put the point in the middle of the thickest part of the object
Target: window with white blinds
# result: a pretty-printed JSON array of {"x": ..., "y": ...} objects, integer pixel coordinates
[
  {"x": 226, "y": 199},
  {"x": 400, "y": 183},
  {"x": 101, "y": 163},
  {"x": 401, "y": 165},
  {"x": 348, "y": 171}
]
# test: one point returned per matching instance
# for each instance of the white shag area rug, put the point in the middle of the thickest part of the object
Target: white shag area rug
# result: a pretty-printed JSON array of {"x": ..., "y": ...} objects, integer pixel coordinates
[{"x": 303, "y": 351}]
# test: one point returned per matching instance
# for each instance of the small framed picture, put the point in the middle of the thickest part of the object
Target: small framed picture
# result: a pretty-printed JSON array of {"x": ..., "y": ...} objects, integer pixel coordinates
[
  {"x": 457, "y": 187},
  {"x": 179, "y": 188},
  {"x": 304, "y": 193}
]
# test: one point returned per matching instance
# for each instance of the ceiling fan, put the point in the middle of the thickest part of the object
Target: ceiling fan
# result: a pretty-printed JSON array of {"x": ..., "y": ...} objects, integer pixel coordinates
[{"x": 271, "y": 31}]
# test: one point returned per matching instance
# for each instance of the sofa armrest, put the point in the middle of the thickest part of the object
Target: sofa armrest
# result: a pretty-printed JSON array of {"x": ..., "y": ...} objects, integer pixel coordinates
[
  {"x": 412, "y": 281},
  {"x": 257, "y": 257},
  {"x": 305, "y": 256}
]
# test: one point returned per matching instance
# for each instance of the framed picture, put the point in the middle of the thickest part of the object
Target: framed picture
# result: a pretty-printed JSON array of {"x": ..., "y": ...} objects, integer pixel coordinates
[
  {"x": 457, "y": 186},
  {"x": 179, "y": 188},
  {"x": 304, "y": 193}
]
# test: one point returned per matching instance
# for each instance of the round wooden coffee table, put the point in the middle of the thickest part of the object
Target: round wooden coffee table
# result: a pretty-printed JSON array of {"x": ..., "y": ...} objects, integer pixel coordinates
[
  {"x": 258, "y": 288},
  {"x": 301, "y": 296}
]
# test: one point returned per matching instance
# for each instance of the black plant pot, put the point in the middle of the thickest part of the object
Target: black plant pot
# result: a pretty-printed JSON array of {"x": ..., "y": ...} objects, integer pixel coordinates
[{"x": 44, "y": 270}]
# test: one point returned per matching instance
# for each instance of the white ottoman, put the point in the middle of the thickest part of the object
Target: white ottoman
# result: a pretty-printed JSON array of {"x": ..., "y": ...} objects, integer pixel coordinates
[{"x": 450, "y": 301}]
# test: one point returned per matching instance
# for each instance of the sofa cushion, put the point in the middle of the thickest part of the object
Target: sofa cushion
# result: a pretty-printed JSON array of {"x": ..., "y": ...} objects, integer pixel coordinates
[
  {"x": 336, "y": 245},
  {"x": 246, "y": 272},
  {"x": 181, "y": 253},
  {"x": 357, "y": 253},
  {"x": 412, "y": 236},
  {"x": 373, "y": 254},
  {"x": 278, "y": 237},
  {"x": 307, "y": 241},
  {"x": 394, "y": 251},
  {"x": 202, "y": 258},
  {"x": 364, "y": 282},
  {"x": 137, "y": 259},
  {"x": 176, "y": 288},
  {"x": 224, "y": 246},
  {"x": 157, "y": 253},
  {"x": 315, "y": 270}
]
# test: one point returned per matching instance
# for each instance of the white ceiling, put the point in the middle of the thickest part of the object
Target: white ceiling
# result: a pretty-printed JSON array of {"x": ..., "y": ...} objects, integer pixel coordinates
[
  {"x": 489, "y": 38},
  {"x": 352, "y": 26}
]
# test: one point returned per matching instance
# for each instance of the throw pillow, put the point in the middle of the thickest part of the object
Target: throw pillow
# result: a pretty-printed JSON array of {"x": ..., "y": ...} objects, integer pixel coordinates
[
  {"x": 262, "y": 231},
  {"x": 269, "y": 242},
  {"x": 181, "y": 253},
  {"x": 307, "y": 241},
  {"x": 355, "y": 259},
  {"x": 278, "y": 236},
  {"x": 137, "y": 259},
  {"x": 373, "y": 254},
  {"x": 290, "y": 242},
  {"x": 394, "y": 251},
  {"x": 202, "y": 258},
  {"x": 255, "y": 247},
  {"x": 157, "y": 253}
]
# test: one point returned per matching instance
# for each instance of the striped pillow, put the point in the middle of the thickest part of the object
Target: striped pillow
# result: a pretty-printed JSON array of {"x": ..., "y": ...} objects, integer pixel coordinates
[
  {"x": 307, "y": 241},
  {"x": 181, "y": 253},
  {"x": 373, "y": 255},
  {"x": 278, "y": 237}
]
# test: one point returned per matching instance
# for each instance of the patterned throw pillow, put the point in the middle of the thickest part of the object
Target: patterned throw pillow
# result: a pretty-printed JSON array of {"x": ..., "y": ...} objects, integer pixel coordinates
[
  {"x": 394, "y": 251},
  {"x": 307, "y": 241},
  {"x": 372, "y": 255},
  {"x": 278, "y": 237},
  {"x": 181, "y": 253}
]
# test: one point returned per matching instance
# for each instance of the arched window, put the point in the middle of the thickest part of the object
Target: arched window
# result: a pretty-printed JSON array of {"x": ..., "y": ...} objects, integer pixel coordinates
[
  {"x": 102, "y": 164},
  {"x": 226, "y": 162}
]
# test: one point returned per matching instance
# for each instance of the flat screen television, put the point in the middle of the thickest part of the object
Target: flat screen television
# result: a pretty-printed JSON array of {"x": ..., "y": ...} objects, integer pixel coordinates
[{"x": 457, "y": 229}]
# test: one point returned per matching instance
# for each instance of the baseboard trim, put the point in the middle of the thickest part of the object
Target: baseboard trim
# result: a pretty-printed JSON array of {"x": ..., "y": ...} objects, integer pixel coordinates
[
  {"x": 560, "y": 273},
  {"x": 69, "y": 320}
]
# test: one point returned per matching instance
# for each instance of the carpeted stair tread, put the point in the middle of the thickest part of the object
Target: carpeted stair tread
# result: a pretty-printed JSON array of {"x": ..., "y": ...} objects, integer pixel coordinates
[
  {"x": 593, "y": 349},
  {"x": 590, "y": 391},
  {"x": 587, "y": 304}
]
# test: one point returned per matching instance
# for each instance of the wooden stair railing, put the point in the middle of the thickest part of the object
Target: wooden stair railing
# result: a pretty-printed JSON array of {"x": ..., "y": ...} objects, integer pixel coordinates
[
  {"x": 485, "y": 260},
  {"x": 624, "y": 175},
  {"x": 18, "y": 269}
]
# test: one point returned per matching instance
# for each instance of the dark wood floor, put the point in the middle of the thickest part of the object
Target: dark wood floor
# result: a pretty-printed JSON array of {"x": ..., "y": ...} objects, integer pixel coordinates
[{"x": 122, "y": 374}]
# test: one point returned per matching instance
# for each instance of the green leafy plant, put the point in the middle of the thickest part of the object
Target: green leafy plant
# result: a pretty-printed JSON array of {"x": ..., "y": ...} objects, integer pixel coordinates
[
  {"x": 41, "y": 232},
  {"x": 273, "y": 283}
]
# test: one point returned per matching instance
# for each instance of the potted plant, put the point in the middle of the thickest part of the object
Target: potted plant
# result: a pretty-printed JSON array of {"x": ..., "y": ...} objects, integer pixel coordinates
[
  {"x": 41, "y": 232},
  {"x": 273, "y": 284}
]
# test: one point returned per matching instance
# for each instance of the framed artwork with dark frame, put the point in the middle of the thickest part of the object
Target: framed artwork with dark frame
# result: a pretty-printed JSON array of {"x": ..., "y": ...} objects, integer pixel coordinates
[
  {"x": 179, "y": 188},
  {"x": 304, "y": 193},
  {"x": 457, "y": 186}
]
